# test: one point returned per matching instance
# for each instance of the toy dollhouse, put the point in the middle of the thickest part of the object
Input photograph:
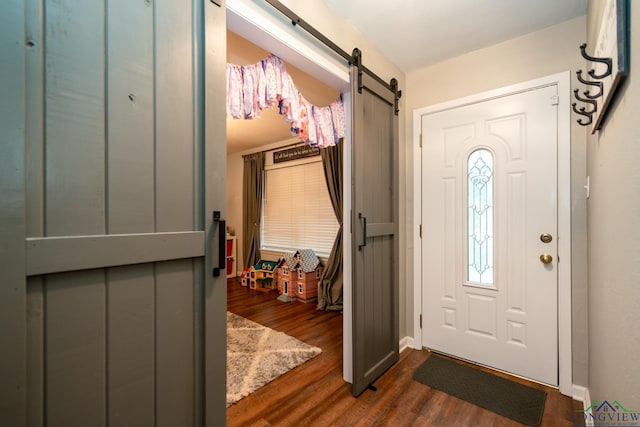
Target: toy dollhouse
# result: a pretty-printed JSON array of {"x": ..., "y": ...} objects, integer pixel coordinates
[
  {"x": 245, "y": 277},
  {"x": 298, "y": 276},
  {"x": 285, "y": 274},
  {"x": 262, "y": 276}
]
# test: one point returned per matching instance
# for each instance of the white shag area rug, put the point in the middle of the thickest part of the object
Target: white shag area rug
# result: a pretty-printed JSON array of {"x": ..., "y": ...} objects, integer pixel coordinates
[{"x": 257, "y": 355}]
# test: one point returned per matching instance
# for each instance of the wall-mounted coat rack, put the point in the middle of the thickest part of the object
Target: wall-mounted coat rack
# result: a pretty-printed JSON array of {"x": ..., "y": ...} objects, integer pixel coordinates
[
  {"x": 590, "y": 98},
  {"x": 609, "y": 66}
]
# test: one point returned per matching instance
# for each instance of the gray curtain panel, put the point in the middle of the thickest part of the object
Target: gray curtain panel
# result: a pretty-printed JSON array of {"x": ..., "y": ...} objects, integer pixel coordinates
[
  {"x": 330, "y": 286},
  {"x": 252, "y": 181}
]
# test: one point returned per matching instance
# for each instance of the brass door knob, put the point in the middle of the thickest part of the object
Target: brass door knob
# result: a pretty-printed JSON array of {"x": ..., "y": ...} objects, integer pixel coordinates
[{"x": 546, "y": 258}]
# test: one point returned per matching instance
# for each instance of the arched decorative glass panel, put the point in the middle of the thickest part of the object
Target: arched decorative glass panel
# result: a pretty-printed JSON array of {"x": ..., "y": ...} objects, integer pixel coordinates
[{"x": 480, "y": 217}]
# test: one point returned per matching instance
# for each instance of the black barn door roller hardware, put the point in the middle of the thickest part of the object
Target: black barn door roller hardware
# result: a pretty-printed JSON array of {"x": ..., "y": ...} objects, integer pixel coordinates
[{"x": 355, "y": 59}]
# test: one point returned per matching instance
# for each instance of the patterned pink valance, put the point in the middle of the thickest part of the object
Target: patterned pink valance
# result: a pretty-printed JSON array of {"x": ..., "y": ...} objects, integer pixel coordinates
[{"x": 266, "y": 84}]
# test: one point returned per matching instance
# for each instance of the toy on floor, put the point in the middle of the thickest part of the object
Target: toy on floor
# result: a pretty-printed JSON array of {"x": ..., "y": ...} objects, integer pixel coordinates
[
  {"x": 262, "y": 276},
  {"x": 299, "y": 273},
  {"x": 245, "y": 277}
]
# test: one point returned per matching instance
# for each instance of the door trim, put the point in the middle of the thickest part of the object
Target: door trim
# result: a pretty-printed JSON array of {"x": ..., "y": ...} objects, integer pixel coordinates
[{"x": 563, "y": 82}]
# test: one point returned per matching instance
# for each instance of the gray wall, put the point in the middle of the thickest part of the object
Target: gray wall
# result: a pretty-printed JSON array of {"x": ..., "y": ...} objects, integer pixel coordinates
[
  {"x": 542, "y": 53},
  {"x": 614, "y": 236}
]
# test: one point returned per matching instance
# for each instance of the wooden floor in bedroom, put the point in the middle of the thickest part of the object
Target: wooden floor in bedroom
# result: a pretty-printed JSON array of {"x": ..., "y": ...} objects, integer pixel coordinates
[{"x": 314, "y": 394}]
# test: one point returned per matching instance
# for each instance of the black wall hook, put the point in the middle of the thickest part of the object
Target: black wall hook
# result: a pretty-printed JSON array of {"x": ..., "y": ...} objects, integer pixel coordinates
[
  {"x": 606, "y": 61},
  {"x": 582, "y": 112},
  {"x": 588, "y": 94},
  {"x": 588, "y": 101}
]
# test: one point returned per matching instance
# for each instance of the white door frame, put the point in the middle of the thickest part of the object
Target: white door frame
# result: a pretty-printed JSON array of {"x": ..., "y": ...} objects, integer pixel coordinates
[
  {"x": 562, "y": 80},
  {"x": 257, "y": 22}
]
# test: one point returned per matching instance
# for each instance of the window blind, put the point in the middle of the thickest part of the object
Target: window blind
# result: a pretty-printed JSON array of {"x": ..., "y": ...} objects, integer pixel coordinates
[{"x": 297, "y": 212}]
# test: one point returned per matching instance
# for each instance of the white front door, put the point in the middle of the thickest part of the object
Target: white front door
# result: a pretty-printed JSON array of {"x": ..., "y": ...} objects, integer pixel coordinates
[{"x": 489, "y": 208}]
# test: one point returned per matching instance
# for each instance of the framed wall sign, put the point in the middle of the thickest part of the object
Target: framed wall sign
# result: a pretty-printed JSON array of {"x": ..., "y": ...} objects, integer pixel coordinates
[{"x": 295, "y": 153}]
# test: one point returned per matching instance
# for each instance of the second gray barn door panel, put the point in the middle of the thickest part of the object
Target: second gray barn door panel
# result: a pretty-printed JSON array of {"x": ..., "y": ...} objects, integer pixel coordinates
[{"x": 375, "y": 231}]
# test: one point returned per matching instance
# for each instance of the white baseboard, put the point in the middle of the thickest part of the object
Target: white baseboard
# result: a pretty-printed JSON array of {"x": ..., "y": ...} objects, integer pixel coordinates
[
  {"x": 581, "y": 394},
  {"x": 406, "y": 342}
]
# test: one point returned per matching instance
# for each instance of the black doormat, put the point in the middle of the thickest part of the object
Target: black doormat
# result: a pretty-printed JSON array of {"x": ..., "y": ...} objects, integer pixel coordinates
[{"x": 502, "y": 396}]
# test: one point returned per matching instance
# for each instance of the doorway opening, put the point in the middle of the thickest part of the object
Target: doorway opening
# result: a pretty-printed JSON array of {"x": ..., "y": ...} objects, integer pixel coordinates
[{"x": 323, "y": 87}]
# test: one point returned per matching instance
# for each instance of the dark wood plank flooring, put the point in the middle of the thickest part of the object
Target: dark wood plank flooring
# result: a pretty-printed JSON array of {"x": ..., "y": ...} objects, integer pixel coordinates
[{"x": 314, "y": 394}]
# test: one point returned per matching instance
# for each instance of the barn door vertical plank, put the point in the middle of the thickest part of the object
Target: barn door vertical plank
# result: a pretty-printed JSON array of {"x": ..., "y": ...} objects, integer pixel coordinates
[
  {"x": 12, "y": 212},
  {"x": 176, "y": 143},
  {"x": 35, "y": 118},
  {"x": 74, "y": 303},
  {"x": 35, "y": 352},
  {"x": 75, "y": 343},
  {"x": 175, "y": 343},
  {"x": 131, "y": 339},
  {"x": 74, "y": 118},
  {"x": 130, "y": 126},
  {"x": 177, "y": 168},
  {"x": 34, "y": 91},
  {"x": 130, "y": 209}
]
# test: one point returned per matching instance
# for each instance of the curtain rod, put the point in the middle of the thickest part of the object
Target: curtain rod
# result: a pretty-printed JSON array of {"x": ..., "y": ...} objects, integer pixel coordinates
[{"x": 296, "y": 20}]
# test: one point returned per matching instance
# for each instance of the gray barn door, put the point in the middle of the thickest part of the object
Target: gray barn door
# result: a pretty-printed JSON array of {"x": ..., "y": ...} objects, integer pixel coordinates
[
  {"x": 122, "y": 321},
  {"x": 375, "y": 231}
]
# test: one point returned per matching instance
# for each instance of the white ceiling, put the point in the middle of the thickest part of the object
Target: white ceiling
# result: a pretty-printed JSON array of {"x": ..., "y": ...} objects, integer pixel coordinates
[{"x": 417, "y": 33}]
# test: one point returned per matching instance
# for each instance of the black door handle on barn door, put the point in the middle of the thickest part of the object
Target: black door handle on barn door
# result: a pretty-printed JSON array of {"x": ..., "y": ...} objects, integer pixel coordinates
[
  {"x": 363, "y": 220},
  {"x": 222, "y": 241}
]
